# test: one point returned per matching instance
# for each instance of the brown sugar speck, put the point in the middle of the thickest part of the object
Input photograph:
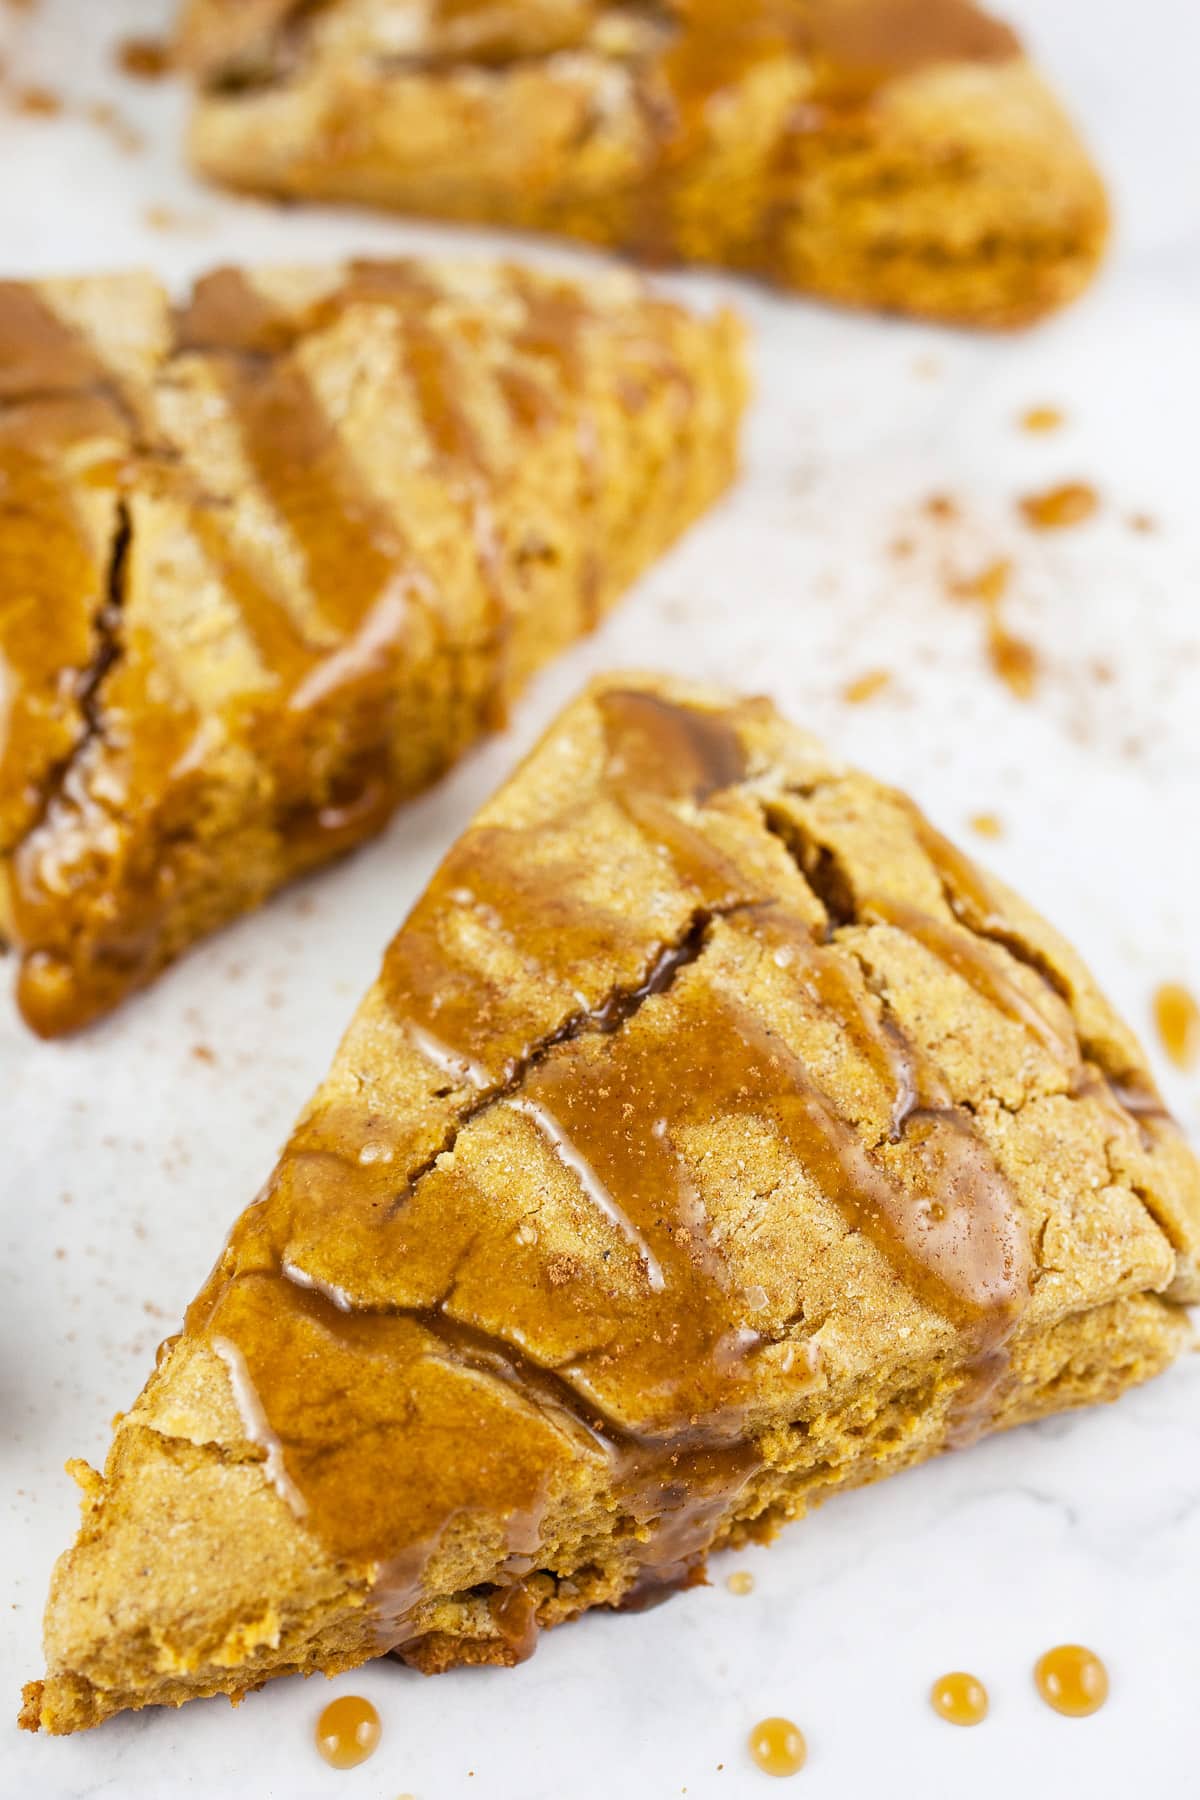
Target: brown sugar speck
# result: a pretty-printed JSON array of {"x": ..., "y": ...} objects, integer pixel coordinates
[
  {"x": 866, "y": 687},
  {"x": 1177, "y": 1017},
  {"x": 990, "y": 585},
  {"x": 165, "y": 218},
  {"x": 942, "y": 507},
  {"x": 203, "y": 1053},
  {"x": 1143, "y": 522},
  {"x": 109, "y": 120},
  {"x": 1058, "y": 508},
  {"x": 37, "y": 102},
  {"x": 987, "y": 825},
  {"x": 1013, "y": 659},
  {"x": 1041, "y": 418},
  {"x": 146, "y": 59}
]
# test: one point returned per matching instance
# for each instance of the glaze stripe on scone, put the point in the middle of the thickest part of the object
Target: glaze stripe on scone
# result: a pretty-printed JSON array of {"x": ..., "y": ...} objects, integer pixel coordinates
[
  {"x": 892, "y": 153},
  {"x": 715, "y": 1137},
  {"x": 270, "y": 561}
]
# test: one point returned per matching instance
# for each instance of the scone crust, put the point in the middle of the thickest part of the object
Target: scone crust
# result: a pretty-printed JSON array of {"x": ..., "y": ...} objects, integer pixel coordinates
[
  {"x": 898, "y": 154},
  {"x": 473, "y": 1364}
]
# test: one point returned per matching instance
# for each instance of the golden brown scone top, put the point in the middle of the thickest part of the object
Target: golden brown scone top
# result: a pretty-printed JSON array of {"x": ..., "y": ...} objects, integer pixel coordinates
[
  {"x": 892, "y": 153},
  {"x": 703, "y": 1079},
  {"x": 272, "y": 558},
  {"x": 709, "y": 1108}
]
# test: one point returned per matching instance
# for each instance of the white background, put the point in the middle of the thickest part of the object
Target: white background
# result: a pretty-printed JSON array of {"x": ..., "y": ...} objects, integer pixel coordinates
[{"x": 124, "y": 1157}]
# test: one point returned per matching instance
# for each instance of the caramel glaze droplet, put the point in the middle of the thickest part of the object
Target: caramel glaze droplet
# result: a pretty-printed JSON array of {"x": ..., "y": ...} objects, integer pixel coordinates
[
  {"x": 1177, "y": 1017},
  {"x": 960, "y": 1698},
  {"x": 348, "y": 1731},
  {"x": 778, "y": 1747},
  {"x": 1072, "y": 1680}
]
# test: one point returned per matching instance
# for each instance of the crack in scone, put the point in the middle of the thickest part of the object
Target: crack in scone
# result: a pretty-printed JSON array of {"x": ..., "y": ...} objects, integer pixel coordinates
[{"x": 619, "y": 1005}]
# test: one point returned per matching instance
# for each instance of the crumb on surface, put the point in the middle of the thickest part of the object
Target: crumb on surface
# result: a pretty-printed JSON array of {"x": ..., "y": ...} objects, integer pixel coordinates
[
  {"x": 867, "y": 686},
  {"x": 987, "y": 825},
  {"x": 37, "y": 102},
  {"x": 1042, "y": 419},
  {"x": 145, "y": 58}
]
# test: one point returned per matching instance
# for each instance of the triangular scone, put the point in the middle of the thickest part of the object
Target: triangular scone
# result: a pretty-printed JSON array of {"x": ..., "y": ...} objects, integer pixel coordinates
[
  {"x": 891, "y": 153},
  {"x": 269, "y": 561},
  {"x": 715, "y": 1136}
]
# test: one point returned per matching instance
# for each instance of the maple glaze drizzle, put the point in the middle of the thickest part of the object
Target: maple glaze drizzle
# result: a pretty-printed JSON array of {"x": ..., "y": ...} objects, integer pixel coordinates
[
  {"x": 675, "y": 752},
  {"x": 53, "y": 580},
  {"x": 62, "y": 435},
  {"x": 841, "y": 52},
  {"x": 349, "y": 1280},
  {"x": 324, "y": 715},
  {"x": 39, "y": 352},
  {"x": 305, "y": 474},
  {"x": 973, "y": 899},
  {"x": 856, "y": 44},
  {"x": 52, "y": 577},
  {"x": 959, "y": 951}
]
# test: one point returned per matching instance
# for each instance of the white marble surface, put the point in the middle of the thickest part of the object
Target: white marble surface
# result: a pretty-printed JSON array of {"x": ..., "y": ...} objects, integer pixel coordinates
[{"x": 123, "y": 1157}]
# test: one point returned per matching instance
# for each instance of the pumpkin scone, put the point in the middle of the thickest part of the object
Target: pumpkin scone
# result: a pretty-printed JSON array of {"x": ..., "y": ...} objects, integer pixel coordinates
[
  {"x": 270, "y": 560},
  {"x": 902, "y": 154},
  {"x": 715, "y": 1137}
]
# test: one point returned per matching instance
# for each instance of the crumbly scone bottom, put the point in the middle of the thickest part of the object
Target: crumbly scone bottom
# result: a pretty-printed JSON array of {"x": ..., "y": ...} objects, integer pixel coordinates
[
  {"x": 603, "y": 1554},
  {"x": 1087, "y": 1360}
]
